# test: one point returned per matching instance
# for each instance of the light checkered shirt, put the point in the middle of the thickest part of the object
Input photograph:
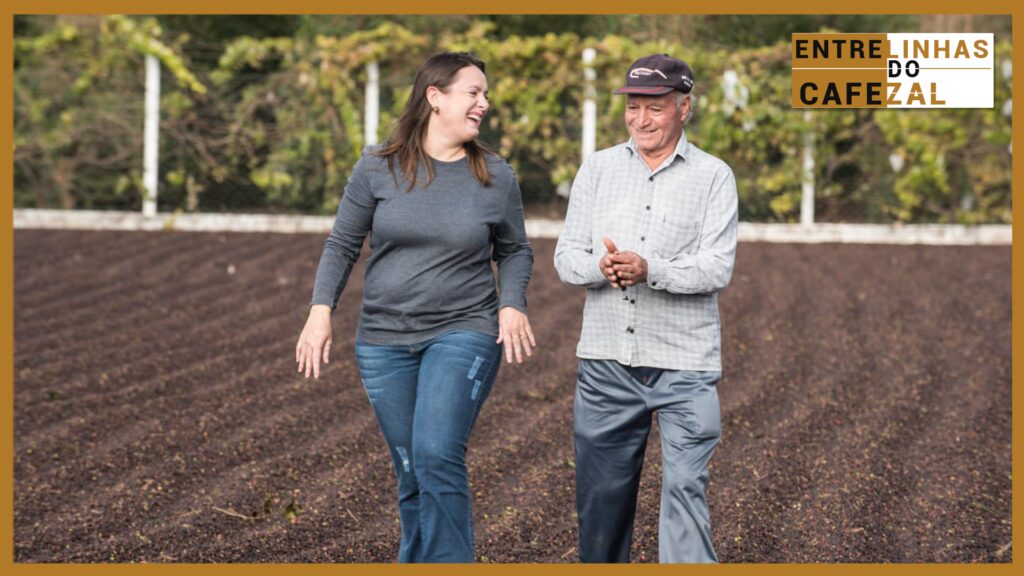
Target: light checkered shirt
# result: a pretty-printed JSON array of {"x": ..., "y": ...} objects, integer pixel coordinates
[{"x": 682, "y": 218}]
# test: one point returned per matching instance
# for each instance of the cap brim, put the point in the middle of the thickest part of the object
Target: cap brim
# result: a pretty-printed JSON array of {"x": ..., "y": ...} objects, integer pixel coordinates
[{"x": 645, "y": 90}]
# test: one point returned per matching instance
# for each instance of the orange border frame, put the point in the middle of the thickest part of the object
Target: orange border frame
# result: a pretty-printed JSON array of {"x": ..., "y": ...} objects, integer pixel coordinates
[{"x": 11, "y": 7}]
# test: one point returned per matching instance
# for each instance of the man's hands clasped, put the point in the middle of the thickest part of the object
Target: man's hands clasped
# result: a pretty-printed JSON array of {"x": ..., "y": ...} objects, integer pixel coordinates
[{"x": 622, "y": 269}]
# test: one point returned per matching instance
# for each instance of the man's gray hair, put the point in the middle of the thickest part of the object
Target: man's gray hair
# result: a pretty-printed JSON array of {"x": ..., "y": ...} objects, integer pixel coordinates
[{"x": 679, "y": 98}]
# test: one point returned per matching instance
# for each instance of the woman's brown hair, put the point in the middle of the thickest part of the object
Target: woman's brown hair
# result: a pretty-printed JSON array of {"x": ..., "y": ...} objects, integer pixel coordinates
[{"x": 406, "y": 140}]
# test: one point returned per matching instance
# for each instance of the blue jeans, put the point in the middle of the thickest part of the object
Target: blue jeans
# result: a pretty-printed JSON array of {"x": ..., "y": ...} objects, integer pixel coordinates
[{"x": 426, "y": 397}]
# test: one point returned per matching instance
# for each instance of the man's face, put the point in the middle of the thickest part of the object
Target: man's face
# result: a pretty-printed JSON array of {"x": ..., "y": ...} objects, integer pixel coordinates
[{"x": 655, "y": 122}]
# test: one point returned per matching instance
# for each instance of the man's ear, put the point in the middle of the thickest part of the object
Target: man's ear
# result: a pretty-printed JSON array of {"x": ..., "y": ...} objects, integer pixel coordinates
[{"x": 684, "y": 110}]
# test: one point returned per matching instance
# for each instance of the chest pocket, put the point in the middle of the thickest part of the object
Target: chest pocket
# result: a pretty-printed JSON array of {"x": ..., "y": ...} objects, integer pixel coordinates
[{"x": 676, "y": 236}]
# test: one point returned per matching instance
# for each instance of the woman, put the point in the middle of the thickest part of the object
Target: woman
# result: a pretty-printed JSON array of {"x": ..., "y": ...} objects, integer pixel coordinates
[{"x": 438, "y": 207}]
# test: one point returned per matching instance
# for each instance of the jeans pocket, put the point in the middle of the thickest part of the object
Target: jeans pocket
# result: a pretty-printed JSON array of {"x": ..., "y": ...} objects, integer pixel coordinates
[{"x": 379, "y": 364}]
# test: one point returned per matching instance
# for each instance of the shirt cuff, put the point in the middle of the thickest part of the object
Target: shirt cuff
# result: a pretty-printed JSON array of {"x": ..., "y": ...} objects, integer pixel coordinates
[
  {"x": 592, "y": 270},
  {"x": 657, "y": 273},
  {"x": 517, "y": 305},
  {"x": 323, "y": 301}
]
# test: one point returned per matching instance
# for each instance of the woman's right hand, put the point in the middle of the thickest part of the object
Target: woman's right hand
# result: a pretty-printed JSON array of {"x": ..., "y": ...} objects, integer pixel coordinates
[{"x": 315, "y": 341}]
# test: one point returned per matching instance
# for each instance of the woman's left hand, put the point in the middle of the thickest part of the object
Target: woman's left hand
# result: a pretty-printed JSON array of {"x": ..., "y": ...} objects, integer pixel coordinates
[{"x": 515, "y": 333}]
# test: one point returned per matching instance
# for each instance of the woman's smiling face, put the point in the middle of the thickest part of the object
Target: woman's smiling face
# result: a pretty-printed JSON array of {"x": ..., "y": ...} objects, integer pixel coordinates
[{"x": 463, "y": 105}]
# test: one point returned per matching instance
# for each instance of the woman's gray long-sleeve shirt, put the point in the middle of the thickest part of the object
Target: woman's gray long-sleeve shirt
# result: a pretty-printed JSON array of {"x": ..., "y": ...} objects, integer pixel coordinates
[{"x": 430, "y": 268}]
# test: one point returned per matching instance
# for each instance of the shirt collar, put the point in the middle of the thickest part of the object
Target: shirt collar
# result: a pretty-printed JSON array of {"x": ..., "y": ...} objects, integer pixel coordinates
[{"x": 681, "y": 147}]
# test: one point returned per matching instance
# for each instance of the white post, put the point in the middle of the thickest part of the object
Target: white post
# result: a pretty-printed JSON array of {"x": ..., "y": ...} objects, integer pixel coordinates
[
  {"x": 152, "y": 135},
  {"x": 589, "y": 103},
  {"x": 807, "y": 188},
  {"x": 372, "y": 103}
]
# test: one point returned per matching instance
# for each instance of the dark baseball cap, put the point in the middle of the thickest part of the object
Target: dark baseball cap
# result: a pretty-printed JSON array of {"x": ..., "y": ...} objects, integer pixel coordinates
[{"x": 657, "y": 74}]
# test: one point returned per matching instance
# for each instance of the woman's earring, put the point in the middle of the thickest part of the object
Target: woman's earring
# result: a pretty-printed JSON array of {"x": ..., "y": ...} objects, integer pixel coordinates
[{"x": 435, "y": 109}]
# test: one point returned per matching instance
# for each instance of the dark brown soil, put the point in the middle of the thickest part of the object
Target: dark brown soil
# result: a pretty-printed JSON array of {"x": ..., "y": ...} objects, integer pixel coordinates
[{"x": 159, "y": 418}]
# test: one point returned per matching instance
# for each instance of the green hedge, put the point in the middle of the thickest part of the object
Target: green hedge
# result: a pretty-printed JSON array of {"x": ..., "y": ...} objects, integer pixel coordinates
[{"x": 277, "y": 126}]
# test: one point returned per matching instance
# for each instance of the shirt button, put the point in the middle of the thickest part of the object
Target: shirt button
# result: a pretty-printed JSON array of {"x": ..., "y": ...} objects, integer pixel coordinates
[
  {"x": 642, "y": 238},
  {"x": 650, "y": 179},
  {"x": 630, "y": 329},
  {"x": 632, "y": 301},
  {"x": 648, "y": 207}
]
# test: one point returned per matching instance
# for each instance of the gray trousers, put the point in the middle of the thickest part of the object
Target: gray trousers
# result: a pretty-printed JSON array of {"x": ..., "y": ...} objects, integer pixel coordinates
[{"x": 612, "y": 418}]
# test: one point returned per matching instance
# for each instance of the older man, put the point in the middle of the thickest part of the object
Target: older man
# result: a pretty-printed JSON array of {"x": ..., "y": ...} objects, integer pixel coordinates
[{"x": 651, "y": 233}]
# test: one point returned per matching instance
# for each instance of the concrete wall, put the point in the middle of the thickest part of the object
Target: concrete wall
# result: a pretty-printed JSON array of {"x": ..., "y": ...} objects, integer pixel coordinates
[{"x": 943, "y": 234}]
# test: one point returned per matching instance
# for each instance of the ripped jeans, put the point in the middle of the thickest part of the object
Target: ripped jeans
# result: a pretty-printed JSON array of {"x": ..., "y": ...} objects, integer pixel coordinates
[{"x": 426, "y": 397}]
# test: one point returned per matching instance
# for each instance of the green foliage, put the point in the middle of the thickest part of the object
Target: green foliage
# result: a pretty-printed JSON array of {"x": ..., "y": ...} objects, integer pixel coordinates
[
  {"x": 299, "y": 129},
  {"x": 955, "y": 162},
  {"x": 274, "y": 122},
  {"x": 78, "y": 110}
]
